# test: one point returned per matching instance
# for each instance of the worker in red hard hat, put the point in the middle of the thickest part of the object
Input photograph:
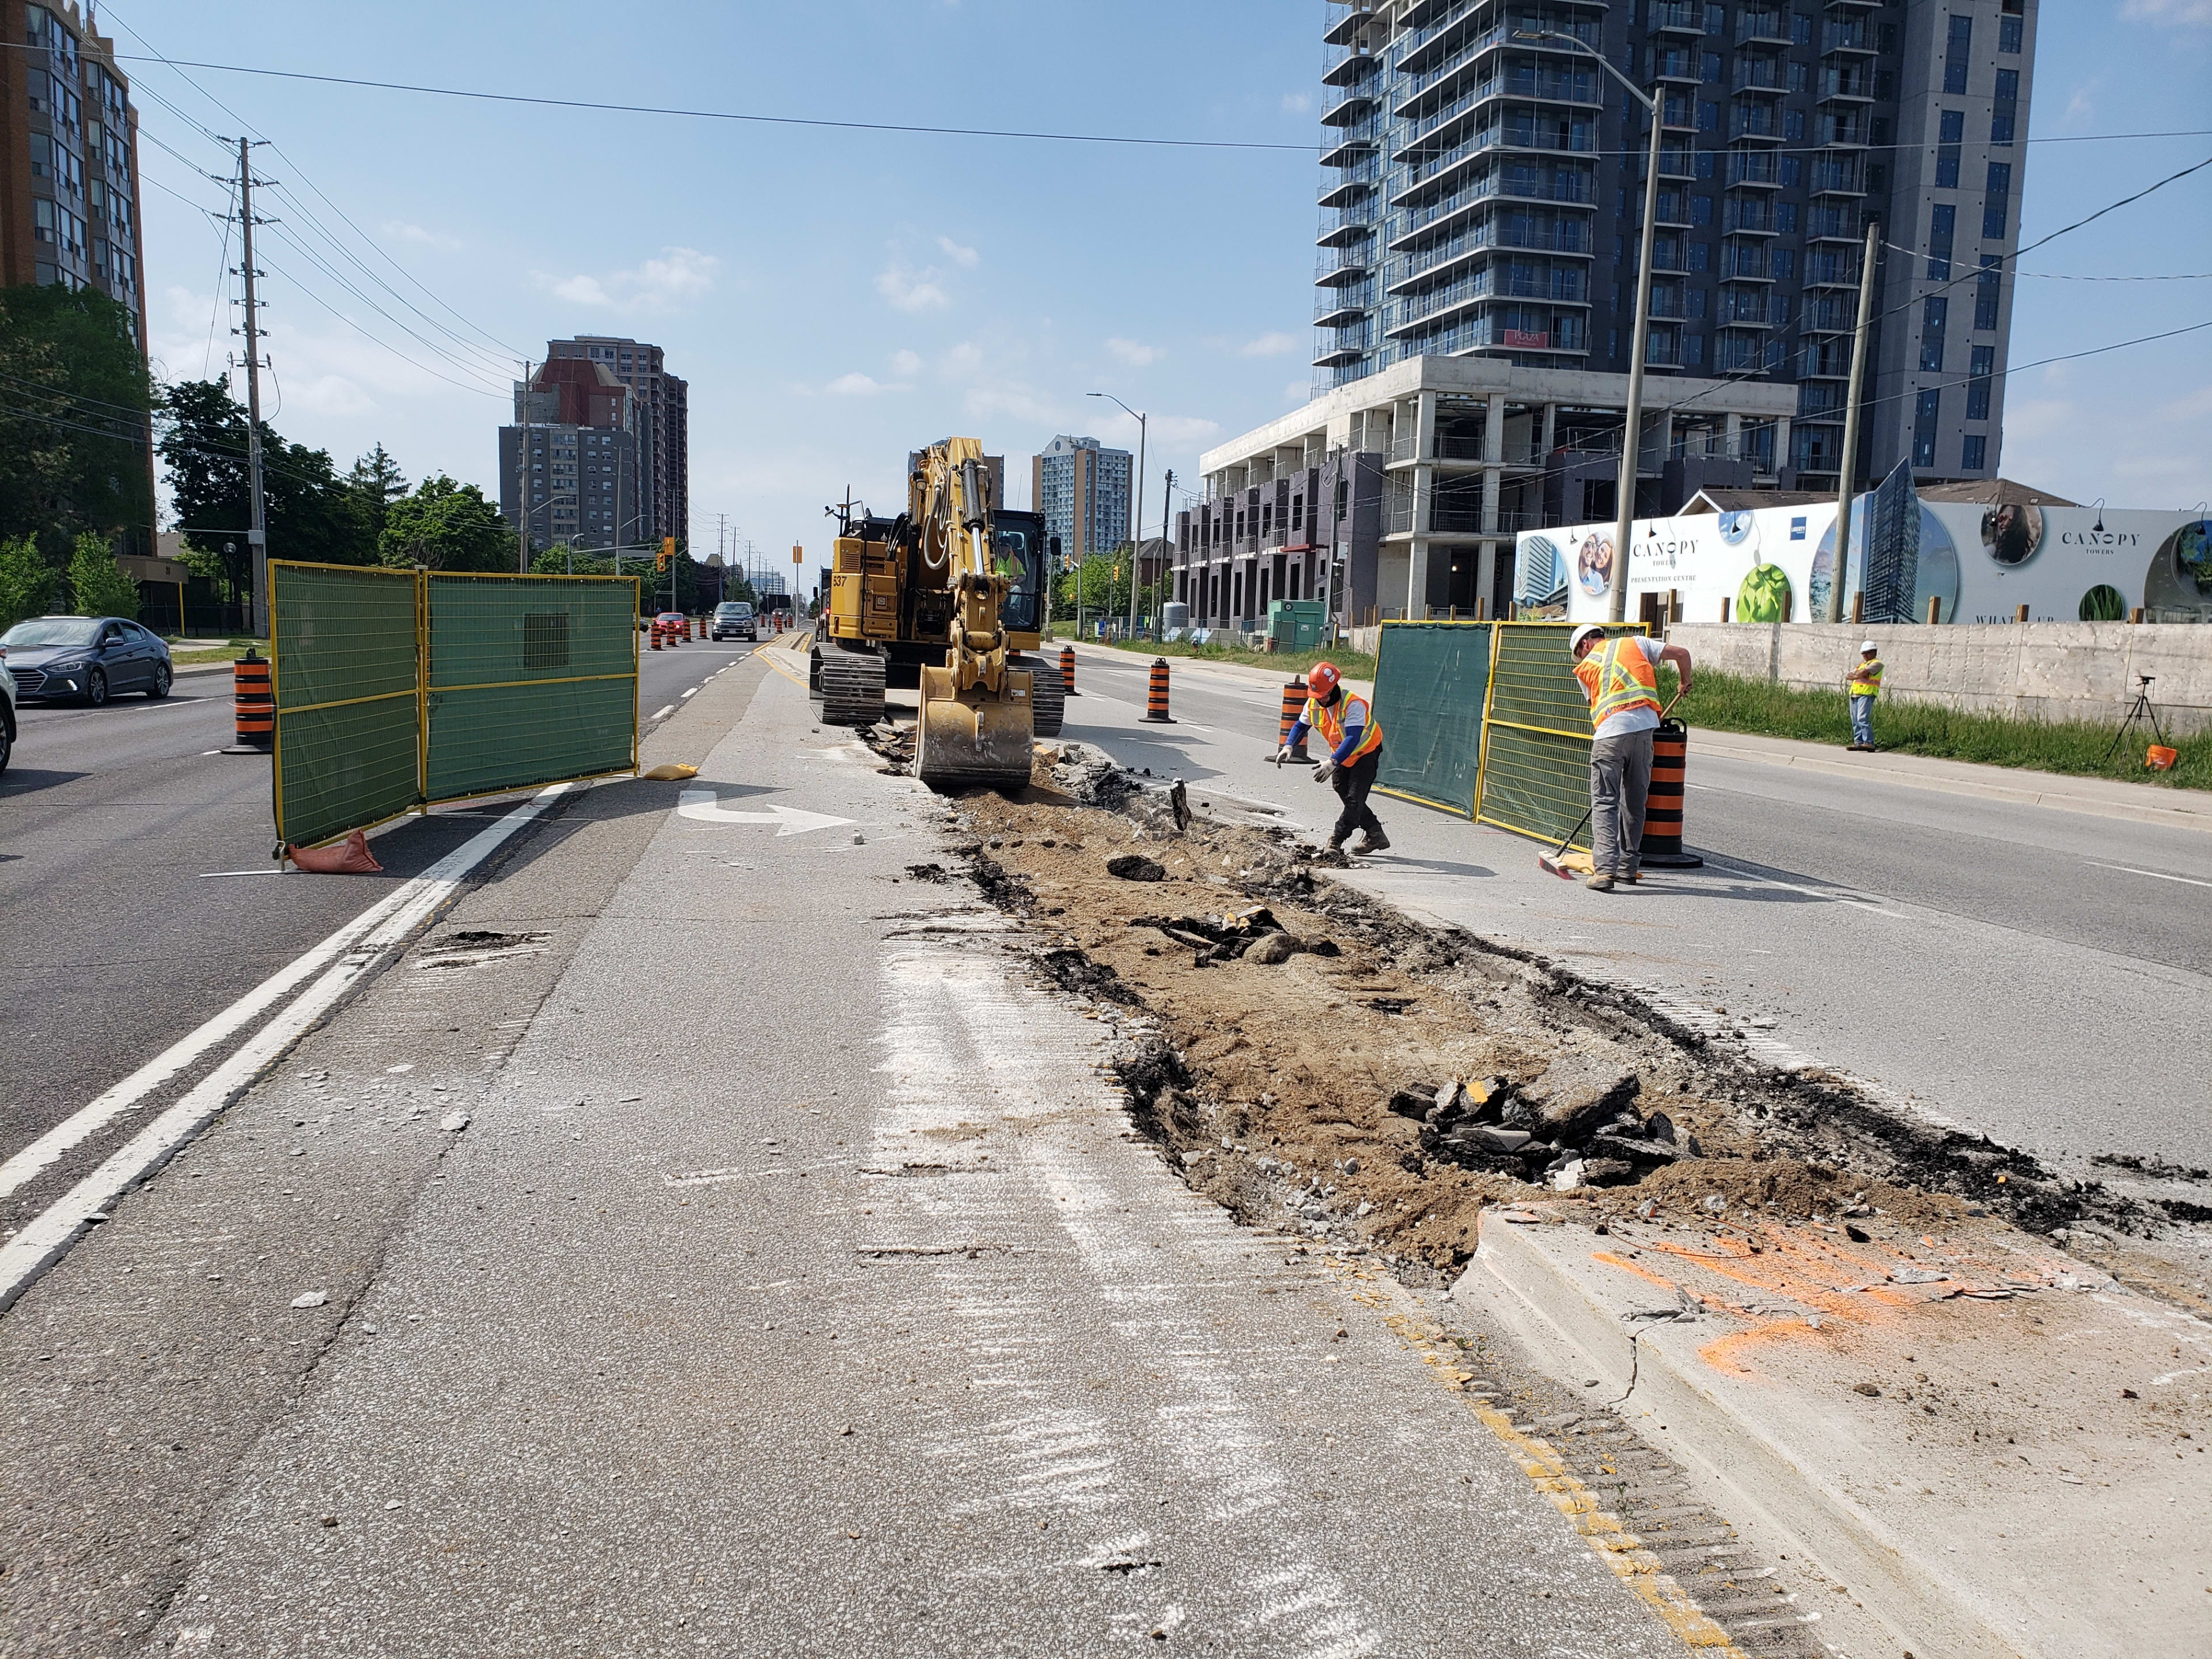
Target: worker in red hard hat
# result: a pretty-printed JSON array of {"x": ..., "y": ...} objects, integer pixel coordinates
[
  {"x": 1347, "y": 724},
  {"x": 1620, "y": 678}
]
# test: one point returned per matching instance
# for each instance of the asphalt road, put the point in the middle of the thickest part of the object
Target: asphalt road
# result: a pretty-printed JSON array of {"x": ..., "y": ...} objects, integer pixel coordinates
[
  {"x": 2023, "y": 971},
  {"x": 137, "y": 897},
  {"x": 794, "y": 1286}
]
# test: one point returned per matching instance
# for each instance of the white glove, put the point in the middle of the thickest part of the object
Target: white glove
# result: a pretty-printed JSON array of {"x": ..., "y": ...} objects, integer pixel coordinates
[
  {"x": 1282, "y": 754},
  {"x": 1321, "y": 771}
]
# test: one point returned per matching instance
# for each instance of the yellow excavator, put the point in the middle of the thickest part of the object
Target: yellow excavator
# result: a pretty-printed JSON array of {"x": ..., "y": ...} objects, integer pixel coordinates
[{"x": 948, "y": 594}]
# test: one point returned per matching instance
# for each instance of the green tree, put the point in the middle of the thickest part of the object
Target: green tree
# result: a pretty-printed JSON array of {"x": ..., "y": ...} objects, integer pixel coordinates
[
  {"x": 75, "y": 421},
  {"x": 27, "y": 581},
  {"x": 376, "y": 482},
  {"x": 447, "y": 525},
  {"x": 312, "y": 514},
  {"x": 97, "y": 582}
]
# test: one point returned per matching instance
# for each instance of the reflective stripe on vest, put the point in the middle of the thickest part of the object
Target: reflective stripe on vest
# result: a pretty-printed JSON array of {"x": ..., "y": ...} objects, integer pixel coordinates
[
  {"x": 1622, "y": 678},
  {"x": 1330, "y": 722},
  {"x": 1866, "y": 680}
]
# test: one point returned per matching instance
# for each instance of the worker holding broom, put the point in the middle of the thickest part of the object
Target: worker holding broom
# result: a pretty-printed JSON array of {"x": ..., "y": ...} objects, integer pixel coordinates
[
  {"x": 1347, "y": 724},
  {"x": 1620, "y": 678}
]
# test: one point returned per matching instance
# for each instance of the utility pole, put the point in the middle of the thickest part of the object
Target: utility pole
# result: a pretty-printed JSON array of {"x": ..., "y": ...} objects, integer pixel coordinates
[
  {"x": 522, "y": 481},
  {"x": 1160, "y": 590},
  {"x": 1844, "y": 479},
  {"x": 257, "y": 536}
]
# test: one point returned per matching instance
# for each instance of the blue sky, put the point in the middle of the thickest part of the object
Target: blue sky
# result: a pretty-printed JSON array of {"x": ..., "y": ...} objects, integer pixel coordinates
[{"x": 836, "y": 298}]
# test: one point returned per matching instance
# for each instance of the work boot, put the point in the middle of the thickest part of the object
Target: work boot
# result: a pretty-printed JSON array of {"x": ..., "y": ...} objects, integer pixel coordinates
[
  {"x": 1372, "y": 840},
  {"x": 1599, "y": 881}
]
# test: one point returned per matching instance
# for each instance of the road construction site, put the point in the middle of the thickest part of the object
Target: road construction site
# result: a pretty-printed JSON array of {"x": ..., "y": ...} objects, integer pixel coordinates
[{"x": 787, "y": 1211}]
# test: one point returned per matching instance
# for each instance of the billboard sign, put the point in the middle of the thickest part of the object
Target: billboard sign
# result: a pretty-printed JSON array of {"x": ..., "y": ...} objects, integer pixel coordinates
[{"x": 1975, "y": 563}]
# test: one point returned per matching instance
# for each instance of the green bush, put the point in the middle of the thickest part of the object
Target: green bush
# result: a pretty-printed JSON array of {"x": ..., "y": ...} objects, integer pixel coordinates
[
  {"x": 97, "y": 582},
  {"x": 1723, "y": 702},
  {"x": 1353, "y": 664},
  {"x": 27, "y": 581}
]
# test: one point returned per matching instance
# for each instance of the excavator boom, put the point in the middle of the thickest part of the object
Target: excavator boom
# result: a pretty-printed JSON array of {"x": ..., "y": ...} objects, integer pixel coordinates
[{"x": 977, "y": 722}]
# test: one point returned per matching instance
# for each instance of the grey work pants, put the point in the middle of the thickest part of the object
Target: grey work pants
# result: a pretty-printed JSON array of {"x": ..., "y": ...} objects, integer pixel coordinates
[{"x": 1621, "y": 777}]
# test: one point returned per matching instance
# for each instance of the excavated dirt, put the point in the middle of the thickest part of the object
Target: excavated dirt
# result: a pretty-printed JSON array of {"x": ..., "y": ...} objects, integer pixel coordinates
[{"x": 1314, "y": 1059}]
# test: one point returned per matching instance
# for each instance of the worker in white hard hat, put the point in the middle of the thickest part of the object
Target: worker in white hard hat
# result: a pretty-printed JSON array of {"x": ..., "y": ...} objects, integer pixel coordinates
[
  {"x": 1862, "y": 684},
  {"x": 1620, "y": 678}
]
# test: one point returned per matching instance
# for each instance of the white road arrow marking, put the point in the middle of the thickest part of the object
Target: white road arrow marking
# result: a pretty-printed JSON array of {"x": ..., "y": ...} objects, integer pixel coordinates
[{"x": 701, "y": 806}]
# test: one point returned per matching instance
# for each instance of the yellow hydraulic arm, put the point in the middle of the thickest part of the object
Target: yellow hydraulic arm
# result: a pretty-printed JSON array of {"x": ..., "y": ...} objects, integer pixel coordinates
[{"x": 976, "y": 721}]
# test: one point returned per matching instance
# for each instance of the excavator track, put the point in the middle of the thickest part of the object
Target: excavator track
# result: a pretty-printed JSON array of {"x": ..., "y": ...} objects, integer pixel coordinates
[
  {"x": 851, "y": 687},
  {"x": 1051, "y": 697}
]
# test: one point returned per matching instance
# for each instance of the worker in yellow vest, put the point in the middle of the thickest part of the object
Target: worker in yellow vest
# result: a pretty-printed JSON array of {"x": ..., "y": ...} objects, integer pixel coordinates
[
  {"x": 1620, "y": 678},
  {"x": 1862, "y": 684},
  {"x": 1347, "y": 724}
]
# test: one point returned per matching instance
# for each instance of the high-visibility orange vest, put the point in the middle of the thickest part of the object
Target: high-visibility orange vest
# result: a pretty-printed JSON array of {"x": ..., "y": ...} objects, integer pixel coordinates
[
  {"x": 1620, "y": 678},
  {"x": 1330, "y": 721}
]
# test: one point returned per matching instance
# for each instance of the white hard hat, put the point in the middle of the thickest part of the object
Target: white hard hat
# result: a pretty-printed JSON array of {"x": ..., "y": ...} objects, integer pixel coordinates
[
  {"x": 1869, "y": 646},
  {"x": 1588, "y": 631}
]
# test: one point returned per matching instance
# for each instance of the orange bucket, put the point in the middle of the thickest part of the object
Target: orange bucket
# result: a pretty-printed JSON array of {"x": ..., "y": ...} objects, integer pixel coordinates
[{"x": 2159, "y": 758}]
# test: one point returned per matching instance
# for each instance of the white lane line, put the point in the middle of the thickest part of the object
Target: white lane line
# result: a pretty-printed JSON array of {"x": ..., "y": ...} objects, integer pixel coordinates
[
  {"x": 363, "y": 942},
  {"x": 2155, "y": 875},
  {"x": 209, "y": 875},
  {"x": 1831, "y": 894},
  {"x": 664, "y": 713},
  {"x": 693, "y": 692}
]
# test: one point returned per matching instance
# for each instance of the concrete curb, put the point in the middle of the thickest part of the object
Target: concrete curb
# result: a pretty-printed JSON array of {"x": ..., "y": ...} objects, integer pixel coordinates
[
  {"x": 1767, "y": 1487},
  {"x": 1707, "y": 1356}
]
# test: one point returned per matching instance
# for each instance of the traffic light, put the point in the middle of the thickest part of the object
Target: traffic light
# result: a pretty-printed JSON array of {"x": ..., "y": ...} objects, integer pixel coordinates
[{"x": 667, "y": 552}]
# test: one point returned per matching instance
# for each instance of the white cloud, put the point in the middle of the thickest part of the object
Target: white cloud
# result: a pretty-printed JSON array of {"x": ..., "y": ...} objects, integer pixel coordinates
[
  {"x": 1182, "y": 428},
  {"x": 857, "y": 384},
  {"x": 966, "y": 257},
  {"x": 681, "y": 274},
  {"x": 906, "y": 364},
  {"x": 1138, "y": 356},
  {"x": 1271, "y": 345},
  {"x": 913, "y": 290},
  {"x": 2184, "y": 13},
  {"x": 1299, "y": 392},
  {"x": 1296, "y": 103},
  {"x": 400, "y": 231}
]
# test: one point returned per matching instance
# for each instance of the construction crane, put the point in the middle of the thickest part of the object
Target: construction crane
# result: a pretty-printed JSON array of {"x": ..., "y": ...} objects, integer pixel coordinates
[{"x": 948, "y": 598}]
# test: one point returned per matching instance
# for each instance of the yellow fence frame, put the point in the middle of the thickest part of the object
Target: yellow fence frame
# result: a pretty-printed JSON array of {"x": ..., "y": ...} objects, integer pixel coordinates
[
  {"x": 1489, "y": 692},
  {"x": 423, "y": 802},
  {"x": 1430, "y": 801}
]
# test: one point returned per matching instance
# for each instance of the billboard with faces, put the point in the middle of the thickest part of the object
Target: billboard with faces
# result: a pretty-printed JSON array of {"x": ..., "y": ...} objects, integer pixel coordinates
[{"x": 1974, "y": 563}]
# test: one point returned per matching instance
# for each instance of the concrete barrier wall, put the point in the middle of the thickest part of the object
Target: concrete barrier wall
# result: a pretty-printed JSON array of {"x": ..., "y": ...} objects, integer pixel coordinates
[{"x": 2036, "y": 670}]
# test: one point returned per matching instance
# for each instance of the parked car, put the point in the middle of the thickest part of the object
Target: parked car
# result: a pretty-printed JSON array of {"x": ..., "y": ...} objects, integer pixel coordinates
[
  {"x": 7, "y": 716},
  {"x": 734, "y": 619},
  {"x": 89, "y": 658}
]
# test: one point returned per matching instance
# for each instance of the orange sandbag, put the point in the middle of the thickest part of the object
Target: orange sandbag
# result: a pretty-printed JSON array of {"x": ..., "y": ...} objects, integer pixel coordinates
[{"x": 350, "y": 857}]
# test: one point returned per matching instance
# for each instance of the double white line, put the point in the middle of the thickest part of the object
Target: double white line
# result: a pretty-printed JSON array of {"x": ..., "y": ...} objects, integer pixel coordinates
[{"x": 334, "y": 966}]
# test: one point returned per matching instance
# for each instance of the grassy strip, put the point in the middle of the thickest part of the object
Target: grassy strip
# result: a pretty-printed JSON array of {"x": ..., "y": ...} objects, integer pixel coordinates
[
  {"x": 1353, "y": 664},
  {"x": 1723, "y": 702}
]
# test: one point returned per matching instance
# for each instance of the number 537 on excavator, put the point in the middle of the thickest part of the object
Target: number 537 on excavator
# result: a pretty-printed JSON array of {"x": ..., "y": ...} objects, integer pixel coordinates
[{"x": 947, "y": 598}]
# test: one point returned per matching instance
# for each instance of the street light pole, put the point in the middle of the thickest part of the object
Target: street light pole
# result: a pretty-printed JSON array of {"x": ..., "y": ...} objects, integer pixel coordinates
[
  {"x": 1633, "y": 432},
  {"x": 1137, "y": 513}
]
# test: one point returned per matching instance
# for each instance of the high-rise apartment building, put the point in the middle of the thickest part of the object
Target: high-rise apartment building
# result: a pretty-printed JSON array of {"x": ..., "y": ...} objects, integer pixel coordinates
[
  {"x": 573, "y": 455},
  {"x": 1484, "y": 182},
  {"x": 1082, "y": 492},
  {"x": 662, "y": 422},
  {"x": 69, "y": 160}
]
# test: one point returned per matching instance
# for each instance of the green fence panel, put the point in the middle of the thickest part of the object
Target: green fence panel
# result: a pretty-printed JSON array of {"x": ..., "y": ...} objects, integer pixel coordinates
[
  {"x": 1536, "y": 734},
  {"x": 342, "y": 650},
  {"x": 1429, "y": 681},
  {"x": 531, "y": 679}
]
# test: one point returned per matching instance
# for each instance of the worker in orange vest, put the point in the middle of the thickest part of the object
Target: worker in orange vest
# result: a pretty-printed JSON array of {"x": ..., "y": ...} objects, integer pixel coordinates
[
  {"x": 1347, "y": 724},
  {"x": 1620, "y": 678}
]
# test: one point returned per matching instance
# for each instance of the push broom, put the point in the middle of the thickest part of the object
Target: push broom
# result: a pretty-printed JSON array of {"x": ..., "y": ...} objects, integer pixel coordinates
[{"x": 1554, "y": 862}]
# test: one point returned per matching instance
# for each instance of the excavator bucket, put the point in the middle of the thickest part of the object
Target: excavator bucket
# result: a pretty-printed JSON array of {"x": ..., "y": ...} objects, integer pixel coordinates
[{"x": 975, "y": 736}]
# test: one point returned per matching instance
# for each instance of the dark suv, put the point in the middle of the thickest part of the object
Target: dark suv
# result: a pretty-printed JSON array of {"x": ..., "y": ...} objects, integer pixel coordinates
[{"x": 734, "y": 620}]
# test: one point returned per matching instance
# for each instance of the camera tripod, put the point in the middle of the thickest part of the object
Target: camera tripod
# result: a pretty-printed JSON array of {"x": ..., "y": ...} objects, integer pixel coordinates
[{"x": 2140, "y": 709}]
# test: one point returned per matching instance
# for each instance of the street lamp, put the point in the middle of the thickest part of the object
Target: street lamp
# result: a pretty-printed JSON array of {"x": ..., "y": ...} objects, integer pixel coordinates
[
  {"x": 1137, "y": 514},
  {"x": 1617, "y": 609}
]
